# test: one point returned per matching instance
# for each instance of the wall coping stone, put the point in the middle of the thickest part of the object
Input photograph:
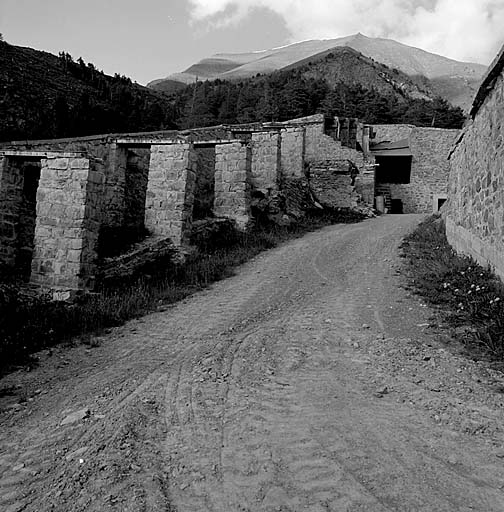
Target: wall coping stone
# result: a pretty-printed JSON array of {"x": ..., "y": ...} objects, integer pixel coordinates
[
  {"x": 488, "y": 82},
  {"x": 109, "y": 137}
]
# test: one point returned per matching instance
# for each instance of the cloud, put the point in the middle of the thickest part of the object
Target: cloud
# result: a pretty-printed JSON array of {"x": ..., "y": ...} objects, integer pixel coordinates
[{"x": 461, "y": 29}]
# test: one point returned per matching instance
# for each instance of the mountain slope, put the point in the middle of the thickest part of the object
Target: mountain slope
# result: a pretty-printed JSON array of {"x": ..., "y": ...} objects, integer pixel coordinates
[
  {"x": 348, "y": 66},
  {"x": 338, "y": 82},
  {"x": 455, "y": 81},
  {"x": 44, "y": 96}
]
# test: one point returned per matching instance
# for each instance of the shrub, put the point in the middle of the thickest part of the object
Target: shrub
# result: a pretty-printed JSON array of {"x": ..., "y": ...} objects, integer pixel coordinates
[{"x": 469, "y": 295}]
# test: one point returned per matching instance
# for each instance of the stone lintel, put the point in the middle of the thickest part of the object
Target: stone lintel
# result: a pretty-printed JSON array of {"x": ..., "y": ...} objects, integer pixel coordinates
[
  {"x": 42, "y": 154},
  {"x": 141, "y": 142}
]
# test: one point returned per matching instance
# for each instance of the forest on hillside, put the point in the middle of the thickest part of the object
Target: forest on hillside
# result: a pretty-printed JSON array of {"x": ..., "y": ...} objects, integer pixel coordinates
[
  {"x": 289, "y": 94},
  {"x": 44, "y": 96},
  {"x": 47, "y": 96}
]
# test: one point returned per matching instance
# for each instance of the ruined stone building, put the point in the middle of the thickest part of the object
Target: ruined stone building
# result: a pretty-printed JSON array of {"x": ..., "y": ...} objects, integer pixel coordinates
[
  {"x": 61, "y": 199},
  {"x": 475, "y": 210},
  {"x": 58, "y": 198}
]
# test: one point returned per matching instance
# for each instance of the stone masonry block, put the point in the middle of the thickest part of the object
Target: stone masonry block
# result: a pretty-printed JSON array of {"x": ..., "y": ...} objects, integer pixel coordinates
[
  {"x": 66, "y": 232},
  {"x": 79, "y": 163},
  {"x": 170, "y": 191},
  {"x": 58, "y": 163},
  {"x": 233, "y": 181}
]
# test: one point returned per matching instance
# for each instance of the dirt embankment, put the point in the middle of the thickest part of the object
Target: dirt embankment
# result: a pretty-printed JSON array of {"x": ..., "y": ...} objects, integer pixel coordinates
[{"x": 310, "y": 381}]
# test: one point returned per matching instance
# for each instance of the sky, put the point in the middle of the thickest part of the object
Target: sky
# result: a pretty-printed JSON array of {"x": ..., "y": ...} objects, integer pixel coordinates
[{"x": 151, "y": 39}]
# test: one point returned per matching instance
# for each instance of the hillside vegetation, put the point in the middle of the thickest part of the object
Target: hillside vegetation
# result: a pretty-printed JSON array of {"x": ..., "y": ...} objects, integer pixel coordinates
[
  {"x": 341, "y": 82},
  {"x": 48, "y": 96},
  {"x": 45, "y": 96}
]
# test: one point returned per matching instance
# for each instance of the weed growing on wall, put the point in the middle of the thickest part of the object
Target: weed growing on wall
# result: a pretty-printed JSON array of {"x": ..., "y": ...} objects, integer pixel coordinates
[
  {"x": 31, "y": 322},
  {"x": 471, "y": 297}
]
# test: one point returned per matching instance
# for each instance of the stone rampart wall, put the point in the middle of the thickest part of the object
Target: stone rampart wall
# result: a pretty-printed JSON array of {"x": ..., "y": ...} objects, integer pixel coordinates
[{"x": 475, "y": 208}]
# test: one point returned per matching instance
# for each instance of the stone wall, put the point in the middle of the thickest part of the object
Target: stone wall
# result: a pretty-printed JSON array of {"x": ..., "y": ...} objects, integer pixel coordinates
[
  {"x": 114, "y": 186},
  {"x": 314, "y": 132},
  {"x": 11, "y": 200},
  {"x": 266, "y": 161},
  {"x": 475, "y": 208},
  {"x": 170, "y": 191},
  {"x": 26, "y": 220},
  {"x": 320, "y": 147},
  {"x": 67, "y": 224},
  {"x": 204, "y": 193},
  {"x": 135, "y": 193},
  {"x": 113, "y": 199},
  {"x": 233, "y": 171},
  {"x": 430, "y": 169},
  {"x": 292, "y": 152},
  {"x": 333, "y": 184},
  {"x": 391, "y": 132}
]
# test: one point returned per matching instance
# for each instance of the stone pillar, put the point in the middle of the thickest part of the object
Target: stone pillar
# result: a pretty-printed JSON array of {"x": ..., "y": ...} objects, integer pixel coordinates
[
  {"x": 67, "y": 224},
  {"x": 170, "y": 191},
  {"x": 11, "y": 190},
  {"x": 232, "y": 182},
  {"x": 266, "y": 157},
  {"x": 345, "y": 131},
  {"x": 366, "y": 133},
  {"x": 115, "y": 184},
  {"x": 314, "y": 132},
  {"x": 292, "y": 152},
  {"x": 352, "y": 132}
]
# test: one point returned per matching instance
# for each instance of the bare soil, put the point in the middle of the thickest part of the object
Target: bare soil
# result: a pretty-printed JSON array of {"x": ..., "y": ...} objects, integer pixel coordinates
[{"x": 310, "y": 381}]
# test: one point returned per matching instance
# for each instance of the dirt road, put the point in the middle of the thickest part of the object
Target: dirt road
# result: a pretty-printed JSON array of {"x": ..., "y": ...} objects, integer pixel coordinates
[{"x": 310, "y": 381}]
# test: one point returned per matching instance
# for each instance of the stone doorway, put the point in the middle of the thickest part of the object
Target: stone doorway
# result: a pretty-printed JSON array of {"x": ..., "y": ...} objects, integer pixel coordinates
[{"x": 438, "y": 200}]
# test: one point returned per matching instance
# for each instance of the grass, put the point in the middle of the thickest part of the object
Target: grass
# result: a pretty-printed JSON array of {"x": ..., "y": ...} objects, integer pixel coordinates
[
  {"x": 31, "y": 323},
  {"x": 470, "y": 297}
]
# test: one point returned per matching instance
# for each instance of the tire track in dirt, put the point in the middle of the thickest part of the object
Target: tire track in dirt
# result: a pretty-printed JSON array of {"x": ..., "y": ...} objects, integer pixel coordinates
[
  {"x": 274, "y": 459},
  {"x": 254, "y": 395}
]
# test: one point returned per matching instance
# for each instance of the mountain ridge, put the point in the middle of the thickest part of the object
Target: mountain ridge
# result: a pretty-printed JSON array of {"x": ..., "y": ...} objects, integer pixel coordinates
[{"x": 453, "y": 80}]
